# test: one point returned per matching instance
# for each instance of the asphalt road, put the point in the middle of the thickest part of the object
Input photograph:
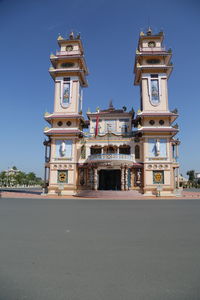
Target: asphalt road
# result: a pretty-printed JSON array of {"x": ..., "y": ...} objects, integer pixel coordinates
[{"x": 99, "y": 250}]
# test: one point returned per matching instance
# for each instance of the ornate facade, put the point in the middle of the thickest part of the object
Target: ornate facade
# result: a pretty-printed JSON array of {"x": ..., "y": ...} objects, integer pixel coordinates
[{"x": 113, "y": 149}]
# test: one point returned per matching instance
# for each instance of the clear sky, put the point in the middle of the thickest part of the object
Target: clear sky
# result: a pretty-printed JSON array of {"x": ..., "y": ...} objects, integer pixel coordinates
[{"x": 109, "y": 30}]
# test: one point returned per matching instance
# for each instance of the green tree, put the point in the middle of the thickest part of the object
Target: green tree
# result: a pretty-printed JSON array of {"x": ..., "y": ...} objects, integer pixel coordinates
[
  {"x": 31, "y": 178},
  {"x": 191, "y": 174},
  {"x": 20, "y": 178},
  {"x": 3, "y": 178}
]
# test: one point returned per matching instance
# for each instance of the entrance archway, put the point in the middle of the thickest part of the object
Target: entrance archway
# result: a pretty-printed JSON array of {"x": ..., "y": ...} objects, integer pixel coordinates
[{"x": 109, "y": 180}]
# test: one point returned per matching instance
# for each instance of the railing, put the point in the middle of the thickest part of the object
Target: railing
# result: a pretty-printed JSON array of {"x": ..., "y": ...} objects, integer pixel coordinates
[
  {"x": 102, "y": 133},
  {"x": 153, "y": 49},
  {"x": 74, "y": 52},
  {"x": 111, "y": 156},
  {"x": 157, "y": 158}
]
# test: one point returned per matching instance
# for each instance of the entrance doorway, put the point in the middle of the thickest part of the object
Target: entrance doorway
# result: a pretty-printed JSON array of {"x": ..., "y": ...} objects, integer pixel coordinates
[{"x": 110, "y": 180}]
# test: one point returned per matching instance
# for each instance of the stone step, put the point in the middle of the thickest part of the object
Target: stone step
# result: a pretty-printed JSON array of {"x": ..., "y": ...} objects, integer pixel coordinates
[{"x": 109, "y": 194}]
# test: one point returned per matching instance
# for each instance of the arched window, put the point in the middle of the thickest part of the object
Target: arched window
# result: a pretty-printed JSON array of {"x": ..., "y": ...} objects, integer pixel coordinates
[
  {"x": 137, "y": 151},
  {"x": 95, "y": 150}
]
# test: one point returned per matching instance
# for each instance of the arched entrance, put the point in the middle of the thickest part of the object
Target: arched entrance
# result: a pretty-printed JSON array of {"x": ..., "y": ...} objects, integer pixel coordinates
[{"x": 109, "y": 180}]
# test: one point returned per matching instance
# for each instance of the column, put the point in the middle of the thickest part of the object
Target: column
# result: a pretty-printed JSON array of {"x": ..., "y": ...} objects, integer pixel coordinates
[
  {"x": 91, "y": 178},
  {"x": 177, "y": 151},
  {"x": 95, "y": 179},
  {"x": 122, "y": 178},
  {"x": 126, "y": 179},
  {"x": 178, "y": 178},
  {"x": 46, "y": 144}
]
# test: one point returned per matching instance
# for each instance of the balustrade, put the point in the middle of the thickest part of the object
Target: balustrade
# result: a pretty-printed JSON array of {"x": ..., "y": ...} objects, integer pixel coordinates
[{"x": 111, "y": 156}]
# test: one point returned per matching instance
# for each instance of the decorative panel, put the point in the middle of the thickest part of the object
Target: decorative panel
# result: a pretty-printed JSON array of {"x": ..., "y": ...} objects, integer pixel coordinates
[
  {"x": 158, "y": 177},
  {"x": 63, "y": 149}
]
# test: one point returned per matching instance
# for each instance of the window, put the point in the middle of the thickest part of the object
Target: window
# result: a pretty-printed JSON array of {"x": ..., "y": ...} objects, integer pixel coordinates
[
  {"x": 124, "y": 150},
  {"x": 60, "y": 123},
  {"x": 95, "y": 150},
  {"x": 155, "y": 91},
  {"x": 161, "y": 122},
  {"x": 153, "y": 61},
  {"x": 69, "y": 123},
  {"x": 137, "y": 152},
  {"x": 69, "y": 48},
  {"x": 152, "y": 122},
  {"x": 65, "y": 92},
  {"x": 67, "y": 65},
  {"x": 154, "y": 75},
  {"x": 151, "y": 44}
]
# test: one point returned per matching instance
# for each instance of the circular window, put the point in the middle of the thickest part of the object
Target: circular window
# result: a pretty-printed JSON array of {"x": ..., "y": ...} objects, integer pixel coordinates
[
  {"x": 153, "y": 61},
  {"x": 69, "y": 48},
  {"x": 67, "y": 65},
  {"x": 151, "y": 122},
  {"x": 161, "y": 122},
  {"x": 69, "y": 123},
  {"x": 60, "y": 123},
  {"x": 151, "y": 44}
]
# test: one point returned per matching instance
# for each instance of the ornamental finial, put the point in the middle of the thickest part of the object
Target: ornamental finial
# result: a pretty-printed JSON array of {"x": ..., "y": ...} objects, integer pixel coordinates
[
  {"x": 71, "y": 36},
  {"x": 149, "y": 31}
]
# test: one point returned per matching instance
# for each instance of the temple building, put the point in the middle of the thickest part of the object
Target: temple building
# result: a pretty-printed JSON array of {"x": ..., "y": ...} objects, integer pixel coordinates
[{"x": 113, "y": 149}]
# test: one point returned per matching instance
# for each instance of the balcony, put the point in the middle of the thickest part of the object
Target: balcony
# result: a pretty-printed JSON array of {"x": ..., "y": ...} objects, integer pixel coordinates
[
  {"x": 111, "y": 157},
  {"x": 151, "y": 50},
  {"x": 65, "y": 53}
]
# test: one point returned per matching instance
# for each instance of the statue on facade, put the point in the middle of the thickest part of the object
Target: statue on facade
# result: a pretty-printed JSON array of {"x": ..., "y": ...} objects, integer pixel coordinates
[
  {"x": 62, "y": 148},
  {"x": 157, "y": 147}
]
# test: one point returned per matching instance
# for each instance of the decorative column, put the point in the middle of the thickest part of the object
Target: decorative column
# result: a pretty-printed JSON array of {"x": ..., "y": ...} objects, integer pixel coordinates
[
  {"x": 133, "y": 178},
  {"x": 47, "y": 145},
  {"x": 177, "y": 154},
  {"x": 126, "y": 178},
  {"x": 95, "y": 179},
  {"x": 91, "y": 177},
  {"x": 177, "y": 178},
  {"x": 122, "y": 178}
]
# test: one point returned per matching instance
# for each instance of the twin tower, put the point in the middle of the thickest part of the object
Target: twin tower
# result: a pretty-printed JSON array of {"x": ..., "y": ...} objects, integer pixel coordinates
[{"x": 113, "y": 149}]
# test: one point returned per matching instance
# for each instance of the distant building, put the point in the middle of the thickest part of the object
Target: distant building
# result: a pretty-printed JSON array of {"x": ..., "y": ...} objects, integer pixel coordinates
[
  {"x": 10, "y": 180},
  {"x": 11, "y": 171},
  {"x": 113, "y": 149}
]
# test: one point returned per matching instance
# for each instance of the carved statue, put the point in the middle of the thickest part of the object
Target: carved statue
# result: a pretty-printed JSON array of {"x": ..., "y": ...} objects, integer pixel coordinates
[
  {"x": 157, "y": 147},
  {"x": 63, "y": 148}
]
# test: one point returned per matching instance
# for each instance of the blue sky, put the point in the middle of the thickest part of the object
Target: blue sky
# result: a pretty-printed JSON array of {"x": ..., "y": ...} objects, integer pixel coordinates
[{"x": 109, "y": 31}]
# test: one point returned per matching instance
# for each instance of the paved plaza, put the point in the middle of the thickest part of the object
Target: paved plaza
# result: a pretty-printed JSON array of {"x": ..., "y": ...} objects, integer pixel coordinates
[{"x": 92, "y": 250}]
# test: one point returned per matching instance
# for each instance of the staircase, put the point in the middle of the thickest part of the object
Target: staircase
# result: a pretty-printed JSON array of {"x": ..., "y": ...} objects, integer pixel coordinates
[{"x": 133, "y": 194}]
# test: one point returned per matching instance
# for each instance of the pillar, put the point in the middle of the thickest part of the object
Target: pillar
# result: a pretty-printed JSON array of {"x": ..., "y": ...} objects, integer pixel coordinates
[
  {"x": 91, "y": 178},
  {"x": 95, "y": 179},
  {"x": 126, "y": 179},
  {"x": 178, "y": 178},
  {"x": 122, "y": 178}
]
